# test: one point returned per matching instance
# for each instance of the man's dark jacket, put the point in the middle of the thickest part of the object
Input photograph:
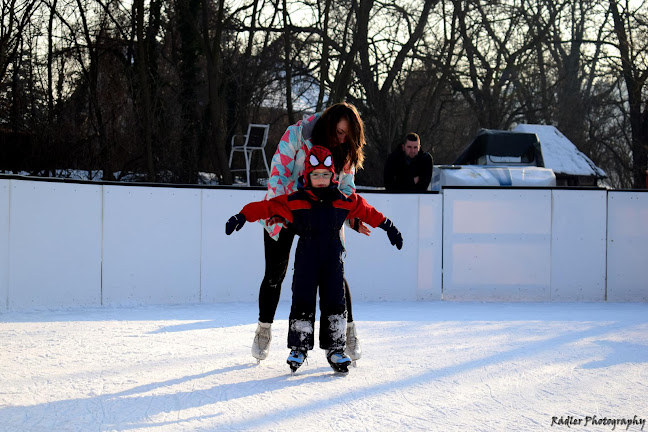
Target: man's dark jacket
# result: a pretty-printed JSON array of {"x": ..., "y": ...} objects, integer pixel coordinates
[{"x": 399, "y": 174}]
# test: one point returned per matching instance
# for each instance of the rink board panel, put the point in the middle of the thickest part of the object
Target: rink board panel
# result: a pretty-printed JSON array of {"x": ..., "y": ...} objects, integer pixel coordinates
[
  {"x": 627, "y": 246},
  {"x": 430, "y": 252},
  {"x": 373, "y": 267},
  {"x": 497, "y": 245},
  {"x": 55, "y": 245},
  {"x": 151, "y": 249},
  {"x": 68, "y": 244},
  {"x": 231, "y": 266},
  {"x": 4, "y": 243},
  {"x": 578, "y": 245}
]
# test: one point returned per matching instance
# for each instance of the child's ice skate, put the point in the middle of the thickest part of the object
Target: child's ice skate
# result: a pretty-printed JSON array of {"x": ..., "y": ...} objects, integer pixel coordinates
[
  {"x": 296, "y": 359},
  {"x": 261, "y": 344},
  {"x": 338, "y": 360},
  {"x": 353, "y": 348}
]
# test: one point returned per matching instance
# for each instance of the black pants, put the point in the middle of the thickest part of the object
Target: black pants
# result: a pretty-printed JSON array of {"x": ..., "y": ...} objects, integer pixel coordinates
[
  {"x": 318, "y": 269},
  {"x": 277, "y": 255}
]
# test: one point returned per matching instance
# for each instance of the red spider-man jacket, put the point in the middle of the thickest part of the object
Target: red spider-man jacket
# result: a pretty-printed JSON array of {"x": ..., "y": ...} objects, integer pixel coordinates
[{"x": 305, "y": 209}]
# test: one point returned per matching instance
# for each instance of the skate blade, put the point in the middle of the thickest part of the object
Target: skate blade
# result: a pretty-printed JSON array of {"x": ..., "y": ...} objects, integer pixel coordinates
[
  {"x": 342, "y": 368},
  {"x": 259, "y": 359},
  {"x": 293, "y": 367}
]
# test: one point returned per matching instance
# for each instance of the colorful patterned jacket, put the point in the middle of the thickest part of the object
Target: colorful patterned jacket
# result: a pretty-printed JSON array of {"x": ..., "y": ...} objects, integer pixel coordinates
[{"x": 288, "y": 165}]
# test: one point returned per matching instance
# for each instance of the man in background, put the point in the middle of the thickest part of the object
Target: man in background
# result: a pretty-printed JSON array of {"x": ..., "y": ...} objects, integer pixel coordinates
[{"x": 408, "y": 169}]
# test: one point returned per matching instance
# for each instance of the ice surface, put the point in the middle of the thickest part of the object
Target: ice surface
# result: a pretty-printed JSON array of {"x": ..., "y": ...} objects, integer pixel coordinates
[{"x": 426, "y": 366}]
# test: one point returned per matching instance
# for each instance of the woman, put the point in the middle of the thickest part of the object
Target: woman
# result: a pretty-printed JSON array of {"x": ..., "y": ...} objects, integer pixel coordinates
[
  {"x": 317, "y": 210},
  {"x": 340, "y": 129}
]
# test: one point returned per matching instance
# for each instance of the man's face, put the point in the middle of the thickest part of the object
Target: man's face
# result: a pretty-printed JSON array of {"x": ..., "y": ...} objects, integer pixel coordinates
[
  {"x": 411, "y": 149},
  {"x": 320, "y": 178}
]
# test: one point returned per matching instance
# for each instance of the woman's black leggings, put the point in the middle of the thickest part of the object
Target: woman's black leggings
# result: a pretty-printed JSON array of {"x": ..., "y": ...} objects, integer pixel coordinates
[{"x": 277, "y": 255}]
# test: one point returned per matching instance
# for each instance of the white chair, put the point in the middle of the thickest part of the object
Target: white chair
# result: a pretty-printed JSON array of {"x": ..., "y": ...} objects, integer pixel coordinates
[{"x": 255, "y": 139}]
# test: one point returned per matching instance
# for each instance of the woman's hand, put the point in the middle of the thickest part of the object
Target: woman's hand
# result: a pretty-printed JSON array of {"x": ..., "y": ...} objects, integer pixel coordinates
[
  {"x": 276, "y": 219},
  {"x": 360, "y": 226}
]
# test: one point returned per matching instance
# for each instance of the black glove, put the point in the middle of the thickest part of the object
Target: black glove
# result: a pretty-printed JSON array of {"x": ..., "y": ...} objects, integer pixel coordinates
[
  {"x": 236, "y": 222},
  {"x": 395, "y": 237}
]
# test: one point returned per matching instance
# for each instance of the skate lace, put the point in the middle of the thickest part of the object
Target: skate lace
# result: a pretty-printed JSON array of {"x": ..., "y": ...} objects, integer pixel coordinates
[
  {"x": 338, "y": 352},
  {"x": 298, "y": 355},
  {"x": 263, "y": 337},
  {"x": 351, "y": 339}
]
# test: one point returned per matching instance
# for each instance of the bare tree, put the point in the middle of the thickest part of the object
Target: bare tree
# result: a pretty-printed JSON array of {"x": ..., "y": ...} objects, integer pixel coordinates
[
  {"x": 629, "y": 27},
  {"x": 382, "y": 61},
  {"x": 160, "y": 87},
  {"x": 498, "y": 44},
  {"x": 144, "y": 86},
  {"x": 213, "y": 49},
  {"x": 89, "y": 51},
  {"x": 15, "y": 16}
]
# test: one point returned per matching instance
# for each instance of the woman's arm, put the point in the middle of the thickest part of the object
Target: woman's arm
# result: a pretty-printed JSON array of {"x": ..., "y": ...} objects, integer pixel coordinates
[
  {"x": 346, "y": 180},
  {"x": 283, "y": 163}
]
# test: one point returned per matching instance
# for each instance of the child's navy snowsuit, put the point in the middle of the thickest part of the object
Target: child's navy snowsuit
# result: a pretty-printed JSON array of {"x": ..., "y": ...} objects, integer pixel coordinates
[{"x": 317, "y": 215}]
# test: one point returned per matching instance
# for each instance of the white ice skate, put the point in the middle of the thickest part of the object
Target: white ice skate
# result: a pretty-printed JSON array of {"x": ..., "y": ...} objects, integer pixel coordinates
[
  {"x": 261, "y": 344},
  {"x": 353, "y": 349}
]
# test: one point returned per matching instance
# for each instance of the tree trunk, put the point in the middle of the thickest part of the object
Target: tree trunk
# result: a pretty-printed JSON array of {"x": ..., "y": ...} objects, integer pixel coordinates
[
  {"x": 324, "y": 61},
  {"x": 144, "y": 89},
  {"x": 215, "y": 82},
  {"x": 634, "y": 84},
  {"x": 188, "y": 15},
  {"x": 288, "y": 63}
]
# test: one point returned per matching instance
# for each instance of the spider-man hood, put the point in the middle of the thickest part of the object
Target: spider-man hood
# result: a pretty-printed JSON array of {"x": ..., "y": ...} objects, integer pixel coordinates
[{"x": 318, "y": 158}]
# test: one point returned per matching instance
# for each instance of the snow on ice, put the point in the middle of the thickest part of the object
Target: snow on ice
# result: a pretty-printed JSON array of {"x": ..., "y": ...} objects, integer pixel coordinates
[{"x": 426, "y": 366}]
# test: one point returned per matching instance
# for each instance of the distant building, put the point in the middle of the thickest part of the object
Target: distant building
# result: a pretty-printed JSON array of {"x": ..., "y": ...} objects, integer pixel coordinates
[{"x": 571, "y": 166}]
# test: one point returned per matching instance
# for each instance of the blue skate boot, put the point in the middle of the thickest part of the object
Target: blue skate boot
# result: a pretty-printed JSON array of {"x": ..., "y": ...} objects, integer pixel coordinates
[
  {"x": 296, "y": 359},
  {"x": 338, "y": 360}
]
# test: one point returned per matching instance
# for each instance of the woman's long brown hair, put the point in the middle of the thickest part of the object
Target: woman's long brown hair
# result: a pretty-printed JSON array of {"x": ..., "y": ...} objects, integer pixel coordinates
[{"x": 325, "y": 134}]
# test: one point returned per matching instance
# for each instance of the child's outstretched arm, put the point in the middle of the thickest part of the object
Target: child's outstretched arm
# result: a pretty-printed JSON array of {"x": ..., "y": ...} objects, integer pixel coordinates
[
  {"x": 367, "y": 213},
  {"x": 236, "y": 222},
  {"x": 259, "y": 210},
  {"x": 395, "y": 237}
]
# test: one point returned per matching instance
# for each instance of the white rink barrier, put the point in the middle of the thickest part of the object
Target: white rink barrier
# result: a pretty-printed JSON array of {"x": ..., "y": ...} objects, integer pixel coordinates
[
  {"x": 65, "y": 244},
  {"x": 524, "y": 245},
  {"x": 627, "y": 246}
]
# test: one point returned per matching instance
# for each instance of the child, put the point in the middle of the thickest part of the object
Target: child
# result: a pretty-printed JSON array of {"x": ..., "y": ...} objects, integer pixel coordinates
[{"x": 317, "y": 211}]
